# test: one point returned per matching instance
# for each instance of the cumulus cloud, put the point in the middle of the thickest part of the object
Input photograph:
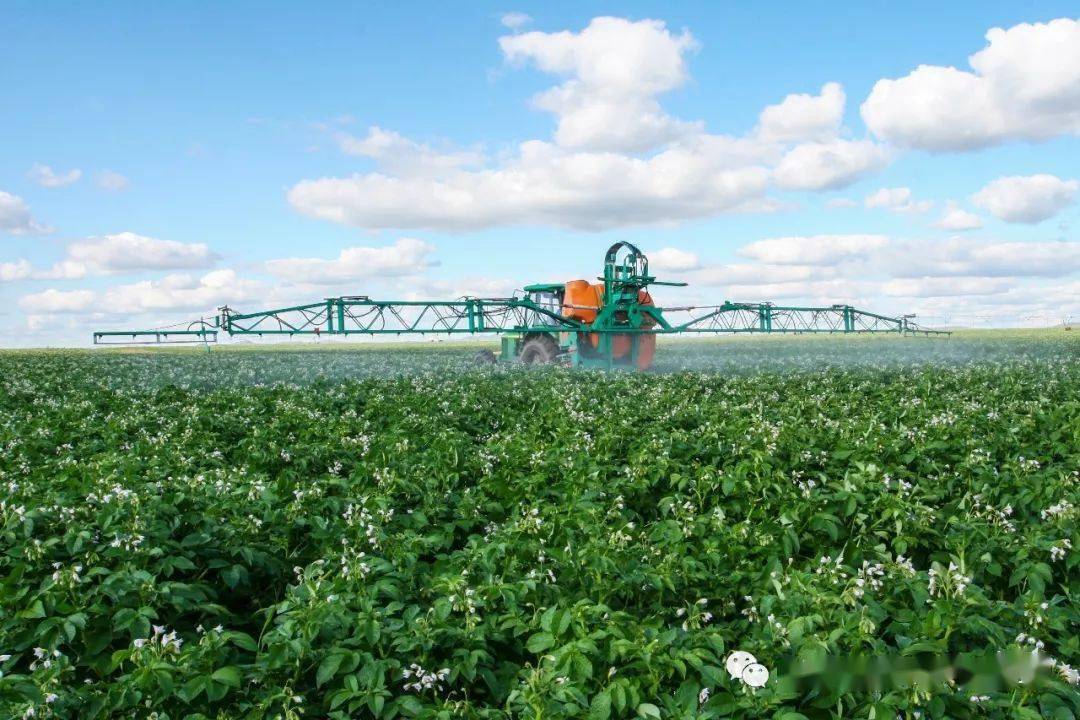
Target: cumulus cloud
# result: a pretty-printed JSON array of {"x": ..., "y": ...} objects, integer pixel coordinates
[
  {"x": 617, "y": 158},
  {"x": 1025, "y": 84},
  {"x": 58, "y": 301},
  {"x": 673, "y": 260},
  {"x": 112, "y": 181},
  {"x": 515, "y": 20},
  {"x": 127, "y": 252},
  {"x": 16, "y": 219},
  {"x": 946, "y": 286},
  {"x": 957, "y": 219},
  {"x": 406, "y": 256},
  {"x": 47, "y": 177},
  {"x": 819, "y": 292},
  {"x": 426, "y": 289},
  {"x": 616, "y": 68},
  {"x": 829, "y": 165},
  {"x": 181, "y": 291},
  {"x": 978, "y": 258},
  {"x": 987, "y": 282},
  {"x": 898, "y": 200},
  {"x": 743, "y": 274},
  {"x": 175, "y": 292},
  {"x": 544, "y": 185},
  {"x": 398, "y": 154},
  {"x": 18, "y": 270},
  {"x": 814, "y": 249},
  {"x": 1030, "y": 199},
  {"x": 801, "y": 117}
]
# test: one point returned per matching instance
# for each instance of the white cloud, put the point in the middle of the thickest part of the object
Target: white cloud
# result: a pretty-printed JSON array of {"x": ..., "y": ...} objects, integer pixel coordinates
[
  {"x": 128, "y": 252},
  {"x": 970, "y": 281},
  {"x": 744, "y": 274},
  {"x": 398, "y": 154},
  {"x": 819, "y": 292},
  {"x": 617, "y": 159},
  {"x": 16, "y": 219},
  {"x": 956, "y": 218},
  {"x": 545, "y": 185},
  {"x": 515, "y": 20},
  {"x": 58, "y": 301},
  {"x": 964, "y": 257},
  {"x": 18, "y": 270},
  {"x": 112, "y": 181},
  {"x": 616, "y": 69},
  {"x": 829, "y": 165},
  {"x": 1025, "y": 85},
  {"x": 1030, "y": 199},
  {"x": 176, "y": 292},
  {"x": 47, "y": 177},
  {"x": 673, "y": 260},
  {"x": 406, "y": 256},
  {"x": 814, "y": 249},
  {"x": 804, "y": 117},
  {"x": 898, "y": 200},
  {"x": 426, "y": 289},
  {"x": 180, "y": 292},
  {"x": 947, "y": 286}
]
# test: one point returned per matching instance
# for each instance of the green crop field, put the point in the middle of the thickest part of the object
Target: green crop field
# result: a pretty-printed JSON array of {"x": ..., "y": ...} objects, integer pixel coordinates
[{"x": 390, "y": 532}]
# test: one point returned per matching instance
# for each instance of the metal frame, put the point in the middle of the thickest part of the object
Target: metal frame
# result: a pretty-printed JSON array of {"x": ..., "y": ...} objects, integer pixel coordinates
[{"x": 624, "y": 312}]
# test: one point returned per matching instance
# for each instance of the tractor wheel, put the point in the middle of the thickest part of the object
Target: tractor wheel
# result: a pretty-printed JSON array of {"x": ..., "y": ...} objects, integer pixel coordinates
[
  {"x": 539, "y": 350},
  {"x": 484, "y": 357}
]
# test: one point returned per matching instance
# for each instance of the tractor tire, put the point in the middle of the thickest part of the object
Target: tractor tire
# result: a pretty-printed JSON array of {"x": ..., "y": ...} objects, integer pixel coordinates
[
  {"x": 484, "y": 357},
  {"x": 539, "y": 350}
]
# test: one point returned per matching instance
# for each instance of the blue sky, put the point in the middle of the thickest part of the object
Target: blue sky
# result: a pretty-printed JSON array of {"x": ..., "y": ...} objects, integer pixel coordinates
[{"x": 148, "y": 146}]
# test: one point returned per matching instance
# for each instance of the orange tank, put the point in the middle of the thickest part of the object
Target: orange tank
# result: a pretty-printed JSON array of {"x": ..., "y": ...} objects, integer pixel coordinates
[
  {"x": 592, "y": 296},
  {"x": 581, "y": 301}
]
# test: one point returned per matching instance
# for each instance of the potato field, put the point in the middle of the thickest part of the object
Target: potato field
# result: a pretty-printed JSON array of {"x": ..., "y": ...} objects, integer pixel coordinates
[{"x": 888, "y": 526}]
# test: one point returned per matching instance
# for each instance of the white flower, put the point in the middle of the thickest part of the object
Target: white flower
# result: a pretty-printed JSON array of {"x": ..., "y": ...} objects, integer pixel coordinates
[
  {"x": 737, "y": 661},
  {"x": 755, "y": 675}
]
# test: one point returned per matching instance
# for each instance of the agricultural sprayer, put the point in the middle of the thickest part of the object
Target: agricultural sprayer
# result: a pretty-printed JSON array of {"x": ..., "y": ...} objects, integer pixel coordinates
[{"x": 610, "y": 323}]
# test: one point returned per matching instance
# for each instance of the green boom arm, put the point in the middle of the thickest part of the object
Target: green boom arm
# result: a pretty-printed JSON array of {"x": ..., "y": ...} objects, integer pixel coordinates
[
  {"x": 625, "y": 310},
  {"x": 351, "y": 315}
]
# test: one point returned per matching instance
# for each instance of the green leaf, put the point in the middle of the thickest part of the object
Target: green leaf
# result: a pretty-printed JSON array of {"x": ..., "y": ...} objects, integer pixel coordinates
[
  {"x": 328, "y": 668},
  {"x": 540, "y": 642},
  {"x": 228, "y": 675},
  {"x": 243, "y": 640},
  {"x": 35, "y": 611},
  {"x": 191, "y": 689},
  {"x": 648, "y": 710},
  {"x": 600, "y": 707}
]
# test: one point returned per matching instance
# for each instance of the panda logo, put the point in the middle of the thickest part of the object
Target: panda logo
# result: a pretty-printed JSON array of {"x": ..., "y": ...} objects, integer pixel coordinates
[{"x": 755, "y": 675}]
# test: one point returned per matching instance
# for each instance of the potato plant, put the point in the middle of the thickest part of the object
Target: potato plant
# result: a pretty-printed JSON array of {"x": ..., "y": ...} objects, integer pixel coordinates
[{"x": 384, "y": 534}]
